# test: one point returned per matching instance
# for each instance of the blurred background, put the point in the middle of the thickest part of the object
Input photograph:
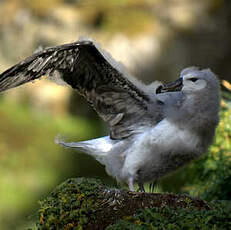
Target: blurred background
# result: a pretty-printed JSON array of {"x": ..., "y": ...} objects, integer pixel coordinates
[{"x": 154, "y": 39}]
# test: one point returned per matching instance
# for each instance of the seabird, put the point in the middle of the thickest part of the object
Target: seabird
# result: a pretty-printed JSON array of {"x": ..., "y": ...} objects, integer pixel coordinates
[{"x": 154, "y": 129}]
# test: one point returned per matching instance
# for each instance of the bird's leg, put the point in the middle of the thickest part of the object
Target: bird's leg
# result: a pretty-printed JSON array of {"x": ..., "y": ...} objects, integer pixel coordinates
[
  {"x": 130, "y": 184},
  {"x": 141, "y": 187}
]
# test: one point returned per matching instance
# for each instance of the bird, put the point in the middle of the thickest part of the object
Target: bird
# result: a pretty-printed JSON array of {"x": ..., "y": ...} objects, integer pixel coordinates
[{"x": 154, "y": 129}]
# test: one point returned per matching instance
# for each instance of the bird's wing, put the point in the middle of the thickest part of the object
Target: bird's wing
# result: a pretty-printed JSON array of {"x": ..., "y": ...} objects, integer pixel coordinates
[{"x": 120, "y": 102}]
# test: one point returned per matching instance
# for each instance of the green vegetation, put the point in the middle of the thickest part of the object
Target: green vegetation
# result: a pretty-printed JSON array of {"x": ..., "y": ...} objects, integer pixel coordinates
[
  {"x": 70, "y": 205},
  {"x": 81, "y": 204},
  {"x": 31, "y": 163},
  {"x": 218, "y": 218}
]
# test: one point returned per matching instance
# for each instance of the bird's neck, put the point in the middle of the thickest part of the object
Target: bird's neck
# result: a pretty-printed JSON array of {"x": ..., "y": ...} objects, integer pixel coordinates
[{"x": 197, "y": 112}]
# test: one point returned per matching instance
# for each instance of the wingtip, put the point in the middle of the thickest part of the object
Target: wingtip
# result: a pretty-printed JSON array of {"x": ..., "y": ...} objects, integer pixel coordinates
[{"x": 85, "y": 41}]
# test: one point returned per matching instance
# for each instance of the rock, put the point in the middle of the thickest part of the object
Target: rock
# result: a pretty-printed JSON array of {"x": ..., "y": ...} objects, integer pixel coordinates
[{"x": 82, "y": 203}]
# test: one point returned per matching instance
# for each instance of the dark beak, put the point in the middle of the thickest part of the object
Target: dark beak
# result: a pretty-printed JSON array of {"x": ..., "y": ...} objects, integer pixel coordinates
[{"x": 171, "y": 87}]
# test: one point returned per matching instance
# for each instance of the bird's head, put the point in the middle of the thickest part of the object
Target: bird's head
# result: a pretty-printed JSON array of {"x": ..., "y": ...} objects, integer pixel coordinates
[{"x": 193, "y": 81}]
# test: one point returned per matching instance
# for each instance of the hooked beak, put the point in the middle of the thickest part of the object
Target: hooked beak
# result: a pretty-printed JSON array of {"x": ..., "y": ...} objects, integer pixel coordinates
[{"x": 171, "y": 87}]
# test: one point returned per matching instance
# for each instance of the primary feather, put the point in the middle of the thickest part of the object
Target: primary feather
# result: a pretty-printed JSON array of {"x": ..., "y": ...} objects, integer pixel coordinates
[{"x": 81, "y": 65}]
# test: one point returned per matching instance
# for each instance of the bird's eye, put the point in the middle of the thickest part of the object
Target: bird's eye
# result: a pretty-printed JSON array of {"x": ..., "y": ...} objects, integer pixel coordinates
[{"x": 193, "y": 79}]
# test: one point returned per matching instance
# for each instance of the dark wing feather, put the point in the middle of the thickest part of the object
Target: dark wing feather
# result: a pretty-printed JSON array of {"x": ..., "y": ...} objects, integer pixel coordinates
[{"x": 118, "y": 101}]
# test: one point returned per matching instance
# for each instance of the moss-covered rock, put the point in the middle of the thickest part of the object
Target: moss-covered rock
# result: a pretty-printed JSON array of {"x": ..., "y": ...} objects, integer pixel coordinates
[
  {"x": 218, "y": 217},
  {"x": 72, "y": 205},
  {"x": 88, "y": 204}
]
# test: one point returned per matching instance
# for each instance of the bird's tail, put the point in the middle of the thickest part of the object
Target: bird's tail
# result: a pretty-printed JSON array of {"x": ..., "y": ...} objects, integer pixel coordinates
[{"x": 97, "y": 148}]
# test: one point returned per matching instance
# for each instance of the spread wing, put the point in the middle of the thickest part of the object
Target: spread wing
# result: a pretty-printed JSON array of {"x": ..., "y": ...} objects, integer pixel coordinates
[{"x": 118, "y": 101}]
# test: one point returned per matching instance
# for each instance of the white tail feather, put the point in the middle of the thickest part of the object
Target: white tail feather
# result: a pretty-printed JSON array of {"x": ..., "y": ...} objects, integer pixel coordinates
[{"x": 98, "y": 148}]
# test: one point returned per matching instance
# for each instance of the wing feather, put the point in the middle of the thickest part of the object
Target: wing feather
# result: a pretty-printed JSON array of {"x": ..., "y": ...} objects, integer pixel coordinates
[{"x": 121, "y": 103}]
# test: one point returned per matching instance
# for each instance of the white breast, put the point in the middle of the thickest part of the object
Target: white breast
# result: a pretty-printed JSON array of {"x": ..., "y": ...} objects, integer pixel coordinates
[
  {"x": 168, "y": 134},
  {"x": 152, "y": 145}
]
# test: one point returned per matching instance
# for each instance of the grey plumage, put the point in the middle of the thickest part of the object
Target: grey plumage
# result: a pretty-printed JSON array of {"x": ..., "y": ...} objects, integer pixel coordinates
[
  {"x": 83, "y": 66},
  {"x": 151, "y": 134}
]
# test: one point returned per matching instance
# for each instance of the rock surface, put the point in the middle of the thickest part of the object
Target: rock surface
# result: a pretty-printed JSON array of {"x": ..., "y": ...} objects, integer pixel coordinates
[{"x": 81, "y": 203}]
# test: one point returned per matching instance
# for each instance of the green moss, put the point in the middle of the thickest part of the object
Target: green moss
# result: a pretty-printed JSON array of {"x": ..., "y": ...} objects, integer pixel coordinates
[
  {"x": 84, "y": 204},
  {"x": 70, "y": 205},
  {"x": 219, "y": 217}
]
